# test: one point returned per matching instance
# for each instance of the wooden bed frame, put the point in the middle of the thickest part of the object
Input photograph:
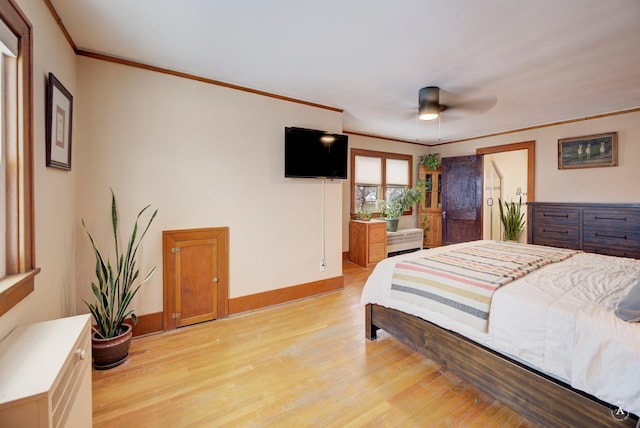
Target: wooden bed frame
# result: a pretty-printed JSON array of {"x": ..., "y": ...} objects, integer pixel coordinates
[{"x": 531, "y": 393}]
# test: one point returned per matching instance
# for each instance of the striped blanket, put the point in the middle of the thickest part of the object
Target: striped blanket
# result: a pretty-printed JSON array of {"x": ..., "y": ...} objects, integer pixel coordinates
[{"x": 460, "y": 283}]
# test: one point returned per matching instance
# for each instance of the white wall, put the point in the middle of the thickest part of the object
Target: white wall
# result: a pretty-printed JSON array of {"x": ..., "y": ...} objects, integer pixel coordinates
[
  {"x": 54, "y": 195},
  {"x": 610, "y": 184},
  {"x": 205, "y": 156}
]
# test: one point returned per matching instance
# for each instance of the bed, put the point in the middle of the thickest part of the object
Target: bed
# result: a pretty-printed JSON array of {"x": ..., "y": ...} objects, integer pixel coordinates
[{"x": 552, "y": 347}]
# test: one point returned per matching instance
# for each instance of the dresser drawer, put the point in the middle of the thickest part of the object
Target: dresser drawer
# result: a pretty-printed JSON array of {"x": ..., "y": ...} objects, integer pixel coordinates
[
  {"x": 377, "y": 252},
  {"x": 610, "y": 237},
  {"x": 611, "y": 251},
  {"x": 378, "y": 233},
  {"x": 610, "y": 218},
  {"x": 569, "y": 216},
  {"x": 546, "y": 234}
]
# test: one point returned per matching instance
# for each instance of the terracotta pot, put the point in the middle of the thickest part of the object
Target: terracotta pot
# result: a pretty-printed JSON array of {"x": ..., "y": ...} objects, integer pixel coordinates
[{"x": 109, "y": 353}]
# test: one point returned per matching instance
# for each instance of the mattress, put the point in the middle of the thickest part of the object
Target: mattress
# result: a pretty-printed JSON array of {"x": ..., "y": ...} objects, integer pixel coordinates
[{"x": 558, "y": 319}]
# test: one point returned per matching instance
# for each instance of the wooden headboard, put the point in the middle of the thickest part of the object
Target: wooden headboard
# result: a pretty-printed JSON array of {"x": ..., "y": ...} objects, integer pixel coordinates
[{"x": 612, "y": 229}]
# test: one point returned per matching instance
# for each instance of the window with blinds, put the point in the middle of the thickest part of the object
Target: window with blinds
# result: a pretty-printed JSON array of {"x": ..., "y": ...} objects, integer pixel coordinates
[{"x": 376, "y": 176}]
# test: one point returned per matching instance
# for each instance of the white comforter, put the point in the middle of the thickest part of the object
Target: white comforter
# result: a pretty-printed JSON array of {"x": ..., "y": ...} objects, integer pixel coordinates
[{"x": 558, "y": 319}]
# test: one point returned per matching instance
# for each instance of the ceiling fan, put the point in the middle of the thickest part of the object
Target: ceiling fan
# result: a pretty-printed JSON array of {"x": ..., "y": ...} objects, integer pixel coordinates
[
  {"x": 429, "y": 107},
  {"x": 429, "y": 103},
  {"x": 464, "y": 100}
]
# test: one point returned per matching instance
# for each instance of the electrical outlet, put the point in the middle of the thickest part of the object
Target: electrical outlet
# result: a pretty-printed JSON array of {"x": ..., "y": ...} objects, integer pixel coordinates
[{"x": 322, "y": 265}]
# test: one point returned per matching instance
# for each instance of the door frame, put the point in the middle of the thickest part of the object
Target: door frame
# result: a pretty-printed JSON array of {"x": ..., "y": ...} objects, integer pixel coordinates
[
  {"x": 169, "y": 239},
  {"x": 530, "y": 146}
]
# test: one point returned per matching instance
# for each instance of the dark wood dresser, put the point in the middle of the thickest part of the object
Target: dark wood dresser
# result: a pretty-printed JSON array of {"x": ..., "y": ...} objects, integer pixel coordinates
[{"x": 612, "y": 229}]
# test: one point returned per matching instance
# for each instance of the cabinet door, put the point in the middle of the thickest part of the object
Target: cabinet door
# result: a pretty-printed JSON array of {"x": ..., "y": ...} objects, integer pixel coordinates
[
  {"x": 433, "y": 188},
  {"x": 436, "y": 230},
  {"x": 195, "y": 275},
  {"x": 437, "y": 193},
  {"x": 196, "y": 281},
  {"x": 431, "y": 222},
  {"x": 429, "y": 179}
]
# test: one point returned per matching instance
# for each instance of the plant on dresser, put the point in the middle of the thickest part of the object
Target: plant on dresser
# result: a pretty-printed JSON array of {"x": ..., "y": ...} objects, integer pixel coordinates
[{"x": 114, "y": 293}]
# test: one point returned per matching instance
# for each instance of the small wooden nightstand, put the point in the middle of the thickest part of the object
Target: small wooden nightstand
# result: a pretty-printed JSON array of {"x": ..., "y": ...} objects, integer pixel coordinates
[{"x": 367, "y": 241}]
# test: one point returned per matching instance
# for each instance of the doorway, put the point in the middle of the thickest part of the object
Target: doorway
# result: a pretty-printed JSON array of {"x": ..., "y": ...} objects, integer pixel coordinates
[
  {"x": 492, "y": 227},
  {"x": 509, "y": 175}
]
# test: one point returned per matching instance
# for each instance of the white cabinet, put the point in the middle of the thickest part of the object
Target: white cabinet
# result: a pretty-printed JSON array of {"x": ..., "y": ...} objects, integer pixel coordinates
[
  {"x": 404, "y": 240},
  {"x": 45, "y": 375}
]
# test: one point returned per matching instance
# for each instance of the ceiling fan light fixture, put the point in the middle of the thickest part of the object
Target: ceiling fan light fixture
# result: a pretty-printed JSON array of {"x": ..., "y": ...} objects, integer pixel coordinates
[
  {"x": 429, "y": 103},
  {"x": 429, "y": 113}
]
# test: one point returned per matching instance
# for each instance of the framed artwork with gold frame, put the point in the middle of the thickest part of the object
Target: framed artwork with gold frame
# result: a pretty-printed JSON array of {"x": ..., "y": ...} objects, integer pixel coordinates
[{"x": 588, "y": 152}]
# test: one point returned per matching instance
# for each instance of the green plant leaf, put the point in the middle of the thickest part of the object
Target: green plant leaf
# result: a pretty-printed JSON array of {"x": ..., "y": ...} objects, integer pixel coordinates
[
  {"x": 401, "y": 202},
  {"x": 430, "y": 160},
  {"x": 512, "y": 219},
  {"x": 116, "y": 288}
]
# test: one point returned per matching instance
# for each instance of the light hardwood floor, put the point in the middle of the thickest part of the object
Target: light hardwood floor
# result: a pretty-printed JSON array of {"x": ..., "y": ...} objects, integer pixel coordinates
[{"x": 305, "y": 363}]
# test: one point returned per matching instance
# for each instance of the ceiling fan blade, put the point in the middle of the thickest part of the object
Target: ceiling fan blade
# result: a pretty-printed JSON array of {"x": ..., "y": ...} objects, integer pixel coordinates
[{"x": 462, "y": 99}]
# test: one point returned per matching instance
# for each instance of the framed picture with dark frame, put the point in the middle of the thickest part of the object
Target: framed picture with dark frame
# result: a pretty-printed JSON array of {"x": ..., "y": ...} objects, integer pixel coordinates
[
  {"x": 588, "y": 152},
  {"x": 58, "y": 124}
]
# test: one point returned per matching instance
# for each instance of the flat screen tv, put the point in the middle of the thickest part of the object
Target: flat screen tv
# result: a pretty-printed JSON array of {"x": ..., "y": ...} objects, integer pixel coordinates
[{"x": 314, "y": 154}]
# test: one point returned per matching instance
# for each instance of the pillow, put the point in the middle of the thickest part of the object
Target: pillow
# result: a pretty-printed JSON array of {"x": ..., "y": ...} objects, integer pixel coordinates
[{"x": 629, "y": 307}]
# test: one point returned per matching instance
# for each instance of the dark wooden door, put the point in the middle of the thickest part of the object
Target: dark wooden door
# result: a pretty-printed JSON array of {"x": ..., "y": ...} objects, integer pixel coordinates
[
  {"x": 461, "y": 199},
  {"x": 195, "y": 276}
]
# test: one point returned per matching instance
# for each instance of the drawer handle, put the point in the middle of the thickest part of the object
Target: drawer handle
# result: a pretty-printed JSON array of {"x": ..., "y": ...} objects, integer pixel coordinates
[
  {"x": 82, "y": 354},
  {"x": 563, "y": 232},
  {"x": 603, "y": 252},
  {"x": 555, "y": 215},
  {"x": 610, "y": 218},
  {"x": 602, "y": 235}
]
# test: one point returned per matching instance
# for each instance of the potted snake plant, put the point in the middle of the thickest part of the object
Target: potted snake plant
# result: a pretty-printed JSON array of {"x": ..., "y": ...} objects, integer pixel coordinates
[
  {"x": 114, "y": 292},
  {"x": 512, "y": 219}
]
